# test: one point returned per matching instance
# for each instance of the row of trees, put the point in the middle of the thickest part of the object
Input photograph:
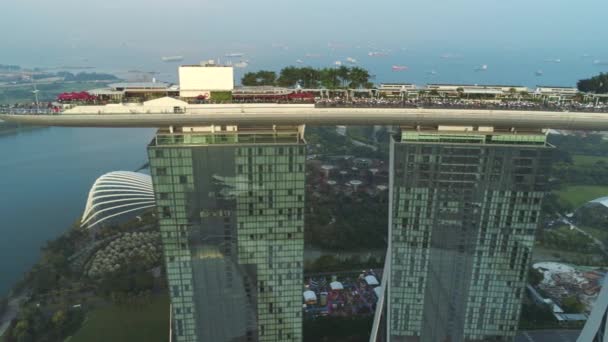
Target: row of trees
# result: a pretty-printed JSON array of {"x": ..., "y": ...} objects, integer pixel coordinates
[
  {"x": 568, "y": 240},
  {"x": 331, "y": 263},
  {"x": 596, "y": 84},
  {"x": 33, "y": 325},
  {"x": 307, "y": 77},
  {"x": 346, "y": 223}
]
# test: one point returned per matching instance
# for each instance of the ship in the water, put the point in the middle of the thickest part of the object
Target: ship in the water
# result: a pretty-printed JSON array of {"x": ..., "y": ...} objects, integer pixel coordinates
[
  {"x": 377, "y": 54},
  {"x": 399, "y": 68},
  {"x": 483, "y": 67},
  {"x": 241, "y": 64},
  {"x": 538, "y": 73},
  {"x": 172, "y": 58},
  {"x": 234, "y": 55},
  {"x": 553, "y": 60}
]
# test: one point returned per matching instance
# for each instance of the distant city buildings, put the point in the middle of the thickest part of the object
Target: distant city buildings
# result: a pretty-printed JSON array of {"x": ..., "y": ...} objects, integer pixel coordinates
[
  {"x": 464, "y": 206},
  {"x": 231, "y": 211}
]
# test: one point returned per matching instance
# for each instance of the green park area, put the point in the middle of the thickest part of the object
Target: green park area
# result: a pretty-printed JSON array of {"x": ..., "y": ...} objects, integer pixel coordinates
[
  {"x": 584, "y": 179},
  {"x": 577, "y": 195},
  {"x": 588, "y": 161},
  {"x": 120, "y": 323}
]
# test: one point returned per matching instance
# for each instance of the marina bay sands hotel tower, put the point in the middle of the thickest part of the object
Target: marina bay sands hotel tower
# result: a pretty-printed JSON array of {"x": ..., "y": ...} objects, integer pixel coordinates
[
  {"x": 465, "y": 203},
  {"x": 230, "y": 201},
  {"x": 231, "y": 205}
]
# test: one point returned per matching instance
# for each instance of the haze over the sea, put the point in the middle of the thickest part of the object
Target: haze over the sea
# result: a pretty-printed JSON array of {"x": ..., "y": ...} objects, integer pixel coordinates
[{"x": 440, "y": 41}]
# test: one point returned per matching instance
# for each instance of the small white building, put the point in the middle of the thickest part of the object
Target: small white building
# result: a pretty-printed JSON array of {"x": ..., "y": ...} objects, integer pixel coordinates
[
  {"x": 336, "y": 286},
  {"x": 166, "y": 104},
  {"x": 476, "y": 89},
  {"x": 371, "y": 280},
  {"x": 310, "y": 297},
  {"x": 201, "y": 80},
  {"x": 555, "y": 94}
]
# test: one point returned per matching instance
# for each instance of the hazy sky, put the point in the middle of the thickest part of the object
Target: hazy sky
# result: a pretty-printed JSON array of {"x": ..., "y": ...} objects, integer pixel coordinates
[
  {"x": 43, "y": 32},
  {"x": 151, "y": 24}
]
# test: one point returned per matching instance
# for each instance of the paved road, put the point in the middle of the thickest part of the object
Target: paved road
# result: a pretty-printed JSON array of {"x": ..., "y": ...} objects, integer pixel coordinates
[{"x": 139, "y": 116}]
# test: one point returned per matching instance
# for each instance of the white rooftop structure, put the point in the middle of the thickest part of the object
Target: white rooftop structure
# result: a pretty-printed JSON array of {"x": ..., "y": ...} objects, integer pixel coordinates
[
  {"x": 371, "y": 280},
  {"x": 336, "y": 285},
  {"x": 554, "y": 268},
  {"x": 397, "y": 87},
  {"x": 116, "y": 194},
  {"x": 310, "y": 296},
  {"x": 104, "y": 91},
  {"x": 555, "y": 90},
  {"x": 166, "y": 104},
  {"x": 602, "y": 200},
  {"x": 201, "y": 80}
]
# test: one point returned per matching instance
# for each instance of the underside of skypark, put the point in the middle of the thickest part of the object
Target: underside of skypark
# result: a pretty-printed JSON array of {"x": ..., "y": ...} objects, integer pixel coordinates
[{"x": 276, "y": 114}]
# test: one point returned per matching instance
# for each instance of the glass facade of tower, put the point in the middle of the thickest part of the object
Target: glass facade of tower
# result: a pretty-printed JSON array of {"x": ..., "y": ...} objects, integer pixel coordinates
[
  {"x": 230, "y": 207},
  {"x": 464, "y": 210}
]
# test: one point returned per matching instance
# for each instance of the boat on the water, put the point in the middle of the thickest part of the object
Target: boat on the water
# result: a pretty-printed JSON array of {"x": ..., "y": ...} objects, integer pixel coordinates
[
  {"x": 377, "y": 54},
  {"x": 483, "y": 67},
  {"x": 399, "y": 68},
  {"x": 172, "y": 58}
]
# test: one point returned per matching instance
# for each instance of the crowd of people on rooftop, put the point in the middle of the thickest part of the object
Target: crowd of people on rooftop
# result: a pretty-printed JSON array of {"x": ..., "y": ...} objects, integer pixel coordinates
[
  {"x": 29, "y": 108},
  {"x": 376, "y": 102},
  {"x": 458, "y": 103}
]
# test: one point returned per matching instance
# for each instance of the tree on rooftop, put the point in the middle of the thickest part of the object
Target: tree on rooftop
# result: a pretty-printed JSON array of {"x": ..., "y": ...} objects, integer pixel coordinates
[
  {"x": 343, "y": 73},
  {"x": 329, "y": 78},
  {"x": 309, "y": 77},
  {"x": 289, "y": 76},
  {"x": 260, "y": 78},
  {"x": 359, "y": 78},
  {"x": 596, "y": 84}
]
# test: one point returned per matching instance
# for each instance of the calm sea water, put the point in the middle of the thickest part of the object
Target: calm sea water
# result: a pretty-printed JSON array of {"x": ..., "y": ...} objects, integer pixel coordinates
[{"x": 45, "y": 176}]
